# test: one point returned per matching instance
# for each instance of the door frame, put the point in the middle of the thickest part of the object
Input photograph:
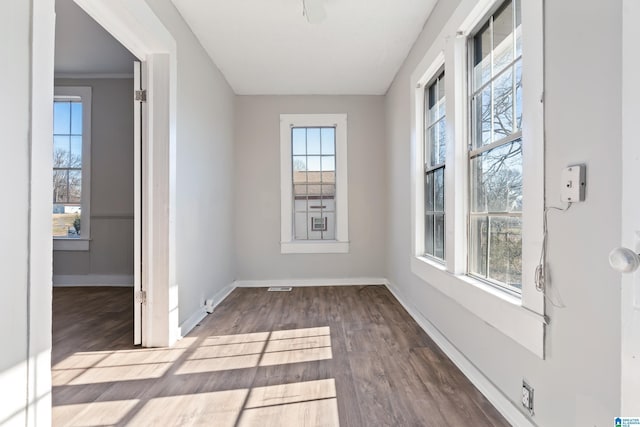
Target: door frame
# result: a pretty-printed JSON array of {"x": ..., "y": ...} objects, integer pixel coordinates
[
  {"x": 134, "y": 24},
  {"x": 630, "y": 233}
]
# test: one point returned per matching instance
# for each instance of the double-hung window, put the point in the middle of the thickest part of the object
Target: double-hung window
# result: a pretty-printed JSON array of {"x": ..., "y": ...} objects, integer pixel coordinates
[
  {"x": 71, "y": 174},
  {"x": 435, "y": 150},
  {"x": 495, "y": 150},
  {"x": 314, "y": 211}
]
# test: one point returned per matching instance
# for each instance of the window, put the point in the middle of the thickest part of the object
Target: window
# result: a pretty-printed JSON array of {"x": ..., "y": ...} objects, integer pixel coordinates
[
  {"x": 314, "y": 182},
  {"x": 495, "y": 151},
  {"x": 494, "y": 174},
  {"x": 314, "y": 209},
  {"x": 435, "y": 151},
  {"x": 71, "y": 174}
]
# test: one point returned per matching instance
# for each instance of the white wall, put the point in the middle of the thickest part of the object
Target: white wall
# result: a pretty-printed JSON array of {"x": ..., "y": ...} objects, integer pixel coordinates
[
  {"x": 257, "y": 198},
  {"x": 111, "y": 247},
  {"x": 25, "y": 252},
  {"x": 204, "y": 226},
  {"x": 579, "y": 382}
]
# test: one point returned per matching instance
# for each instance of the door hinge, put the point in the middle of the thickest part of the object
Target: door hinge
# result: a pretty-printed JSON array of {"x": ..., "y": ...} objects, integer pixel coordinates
[
  {"x": 141, "y": 297},
  {"x": 141, "y": 95}
]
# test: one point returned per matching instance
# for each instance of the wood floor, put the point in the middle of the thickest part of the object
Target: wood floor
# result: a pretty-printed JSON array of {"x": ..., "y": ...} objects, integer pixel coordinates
[{"x": 326, "y": 356}]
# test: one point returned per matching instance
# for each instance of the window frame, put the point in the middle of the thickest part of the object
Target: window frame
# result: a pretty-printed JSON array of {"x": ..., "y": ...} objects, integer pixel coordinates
[
  {"x": 81, "y": 243},
  {"x": 432, "y": 168},
  {"x": 288, "y": 243},
  {"x": 475, "y": 151},
  {"x": 520, "y": 317}
]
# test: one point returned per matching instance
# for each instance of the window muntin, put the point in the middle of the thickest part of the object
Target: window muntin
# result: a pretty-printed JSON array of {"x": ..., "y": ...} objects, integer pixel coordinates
[
  {"x": 67, "y": 166},
  {"x": 313, "y": 160},
  {"x": 435, "y": 148},
  {"x": 495, "y": 151}
]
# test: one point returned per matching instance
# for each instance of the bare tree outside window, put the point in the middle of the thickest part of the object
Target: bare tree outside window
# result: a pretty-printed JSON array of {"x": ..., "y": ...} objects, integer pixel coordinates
[{"x": 495, "y": 156}]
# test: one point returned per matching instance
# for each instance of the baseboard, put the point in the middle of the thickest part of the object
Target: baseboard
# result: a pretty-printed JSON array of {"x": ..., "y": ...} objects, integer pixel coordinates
[
  {"x": 352, "y": 281},
  {"x": 201, "y": 313},
  {"x": 477, "y": 378},
  {"x": 62, "y": 280}
]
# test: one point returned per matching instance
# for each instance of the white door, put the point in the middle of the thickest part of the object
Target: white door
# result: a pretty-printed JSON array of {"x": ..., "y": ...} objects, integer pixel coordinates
[
  {"x": 630, "y": 290},
  {"x": 139, "y": 107}
]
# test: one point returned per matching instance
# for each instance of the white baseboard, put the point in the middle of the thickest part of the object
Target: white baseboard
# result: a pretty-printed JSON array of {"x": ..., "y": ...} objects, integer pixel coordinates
[
  {"x": 92, "y": 280},
  {"x": 311, "y": 282},
  {"x": 477, "y": 378},
  {"x": 201, "y": 313}
]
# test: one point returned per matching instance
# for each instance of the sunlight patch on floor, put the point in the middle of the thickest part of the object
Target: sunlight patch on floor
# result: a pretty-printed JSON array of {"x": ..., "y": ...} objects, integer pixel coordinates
[{"x": 94, "y": 413}]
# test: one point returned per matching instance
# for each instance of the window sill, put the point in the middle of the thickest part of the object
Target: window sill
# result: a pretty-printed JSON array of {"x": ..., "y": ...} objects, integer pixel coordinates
[
  {"x": 62, "y": 244},
  {"x": 314, "y": 247},
  {"x": 499, "y": 309}
]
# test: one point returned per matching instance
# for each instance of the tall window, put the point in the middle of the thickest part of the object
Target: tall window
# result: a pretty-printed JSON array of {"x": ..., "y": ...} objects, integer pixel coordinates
[
  {"x": 313, "y": 178},
  {"x": 495, "y": 152},
  {"x": 71, "y": 125},
  {"x": 314, "y": 182},
  {"x": 435, "y": 149}
]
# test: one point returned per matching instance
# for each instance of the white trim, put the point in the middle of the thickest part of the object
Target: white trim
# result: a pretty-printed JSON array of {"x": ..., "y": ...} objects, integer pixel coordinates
[
  {"x": 64, "y": 280},
  {"x": 85, "y": 93},
  {"x": 201, "y": 312},
  {"x": 630, "y": 209},
  {"x": 521, "y": 319},
  {"x": 314, "y": 247},
  {"x": 83, "y": 76},
  {"x": 288, "y": 244},
  {"x": 65, "y": 244},
  {"x": 493, "y": 394},
  {"x": 351, "y": 281},
  {"x": 138, "y": 28}
]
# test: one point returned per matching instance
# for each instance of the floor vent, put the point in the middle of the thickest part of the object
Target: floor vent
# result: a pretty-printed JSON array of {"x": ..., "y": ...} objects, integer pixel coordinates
[{"x": 279, "y": 289}]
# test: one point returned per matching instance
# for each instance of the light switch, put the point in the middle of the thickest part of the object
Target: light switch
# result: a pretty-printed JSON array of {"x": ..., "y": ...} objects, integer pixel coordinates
[{"x": 573, "y": 184}]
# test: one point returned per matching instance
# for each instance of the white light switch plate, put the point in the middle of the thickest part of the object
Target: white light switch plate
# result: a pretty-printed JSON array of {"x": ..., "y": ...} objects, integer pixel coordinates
[{"x": 573, "y": 184}]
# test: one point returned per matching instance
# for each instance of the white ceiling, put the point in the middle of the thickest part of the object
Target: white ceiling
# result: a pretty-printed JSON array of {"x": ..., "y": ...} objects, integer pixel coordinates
[
  {"x": 268, "y": 47},
  {"x": 84, "y": 48}
]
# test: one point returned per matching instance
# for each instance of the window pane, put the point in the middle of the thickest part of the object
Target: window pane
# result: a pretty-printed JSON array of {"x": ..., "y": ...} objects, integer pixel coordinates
[
  {"x": 61, "y": 151},
  {"x": 76, "y": 118},
  {"x": 300, "y": 205},
  {"x": 75, "y": 157},
  {"x": 328, "y": 191},
  {"x": 299, "y": 163},
  {"x": 442, "y": 141},
  {"x": 328, "y": 136},
  {"x": 518, "y": 100},
  {"x": 428, "y": 192},
  {"x": 496, "y": 179},
  {"x": 503, "y": 105},
  {"x": 330, "y": 233},
  {"x": 60, "y": 187},
  {"x": 482, "y": 57},
  {"x": 300, "y": 190},
  {"x": 329, "y": 177},
  {"x": 503, "y": 38},
  {"x": 313, "y": 162},
  {"x": 478, "y": 228},
  {"x": 505, "y": 250},
  {"x": 482, "y": 117},
  {"x": 428, "y": 234},
  {"x": 75, "y": 186},
  {"x": 313, "y": 140},
  {"x": 299, "y": 141},
  {"x": 439, "y": 236},
  {"x": 438, "y": 190},
  {"x": 300, "y": 221},
  {"x": 61, "y": 117},
  {"x": 433, "y": 145},
  {"x": 328, "y": 163}
]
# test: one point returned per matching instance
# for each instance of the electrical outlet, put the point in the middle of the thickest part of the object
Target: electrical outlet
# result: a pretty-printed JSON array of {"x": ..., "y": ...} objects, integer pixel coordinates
[{"x": 527, "y": 396}]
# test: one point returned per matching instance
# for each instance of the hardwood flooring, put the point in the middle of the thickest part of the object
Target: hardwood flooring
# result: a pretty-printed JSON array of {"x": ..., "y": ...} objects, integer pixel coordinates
[{"x": 315, "y": 356}]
